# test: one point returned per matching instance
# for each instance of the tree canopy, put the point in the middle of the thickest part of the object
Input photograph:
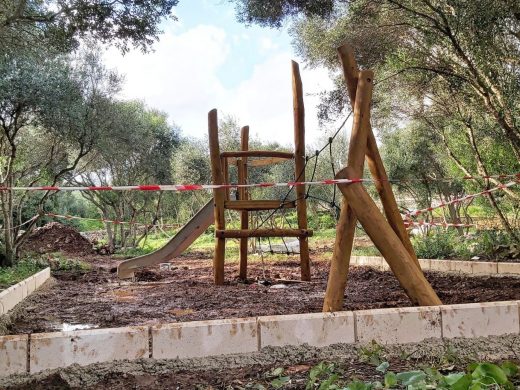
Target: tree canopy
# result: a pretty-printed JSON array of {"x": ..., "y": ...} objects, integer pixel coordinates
[{"x": 63, "y": 24}]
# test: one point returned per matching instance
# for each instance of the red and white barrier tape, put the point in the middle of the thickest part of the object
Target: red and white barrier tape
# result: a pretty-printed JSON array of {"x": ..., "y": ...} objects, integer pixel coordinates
[
  {"x": 183, "y": 187},
  {"x": 442, "y": 224},
  {"x": 197, "y": 187},
  {"x": 460, "y": 200},
  {"x": 498, "y": 177},
  {"x": 115, "y": 222}
]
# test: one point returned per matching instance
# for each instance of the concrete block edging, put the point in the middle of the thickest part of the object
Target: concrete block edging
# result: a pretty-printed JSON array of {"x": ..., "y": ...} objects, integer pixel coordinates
[
  {"x": 15, "y": 294},
  {"x": 468, "y": 267},
  {"x": 21, "y": 354}
]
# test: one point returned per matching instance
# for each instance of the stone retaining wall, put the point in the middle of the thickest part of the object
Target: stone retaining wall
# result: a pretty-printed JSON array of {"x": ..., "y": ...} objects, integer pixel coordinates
[
  {"x": 468, "y": 267},
  {"x": 37, "y": 352},
  {"x": 12, "y": 296}
]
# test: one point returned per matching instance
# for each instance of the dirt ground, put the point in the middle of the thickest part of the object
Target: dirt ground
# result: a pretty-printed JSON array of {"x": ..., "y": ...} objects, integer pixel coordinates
[{"x": 186, "y": 293}]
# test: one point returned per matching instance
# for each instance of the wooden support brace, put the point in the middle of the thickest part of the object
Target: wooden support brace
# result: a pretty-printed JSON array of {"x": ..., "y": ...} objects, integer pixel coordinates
[
  {"x": 346, "y": 225},
  {"x": 378, "y": 229},
  {"x": 374, "y": 160}
]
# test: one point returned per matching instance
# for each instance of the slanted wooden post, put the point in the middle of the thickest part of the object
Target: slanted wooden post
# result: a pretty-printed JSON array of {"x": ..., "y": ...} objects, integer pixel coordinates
[
  {"x": 346, "y": 225},
  {"x": 243, "y": 195},
  {"x": 374, "y": 160},
  {"x": 219, "y": 196},
  {"x": 378, "y": 229},
  {"x": 299, "y": 162}
]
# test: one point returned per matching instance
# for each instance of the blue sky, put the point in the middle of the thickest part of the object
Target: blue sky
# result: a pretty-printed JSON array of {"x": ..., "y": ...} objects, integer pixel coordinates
[{"x": 208, "y": 60}]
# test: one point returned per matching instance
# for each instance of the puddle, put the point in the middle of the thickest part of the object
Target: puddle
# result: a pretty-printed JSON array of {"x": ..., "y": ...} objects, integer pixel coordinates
[{"x": 66, "y": 327}]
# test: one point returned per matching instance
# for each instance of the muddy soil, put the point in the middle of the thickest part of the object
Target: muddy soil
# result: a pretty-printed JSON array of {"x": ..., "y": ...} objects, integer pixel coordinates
[
  {"x": 247, "y": 370},
  {"x": 187, "y": 293},
  {"x": 56, "y": 237}
]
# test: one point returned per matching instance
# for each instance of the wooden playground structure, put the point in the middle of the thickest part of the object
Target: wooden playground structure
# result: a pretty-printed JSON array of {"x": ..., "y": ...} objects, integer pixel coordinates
[
  {"x": 388, "y": 234},
  {"x": 244, "y": 204}
]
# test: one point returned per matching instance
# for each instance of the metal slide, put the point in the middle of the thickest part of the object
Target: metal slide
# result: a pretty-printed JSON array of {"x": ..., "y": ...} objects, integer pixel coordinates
[{"x": 178, "y": 244}]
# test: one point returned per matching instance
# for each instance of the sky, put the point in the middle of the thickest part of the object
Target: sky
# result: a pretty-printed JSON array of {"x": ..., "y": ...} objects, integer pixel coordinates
[{"x": 206, "y": 60}]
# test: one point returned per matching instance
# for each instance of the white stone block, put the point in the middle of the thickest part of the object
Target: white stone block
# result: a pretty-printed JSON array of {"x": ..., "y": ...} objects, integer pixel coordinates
[
  {"x": 316, "y": 329},
  {"x": 461, "y": 266},
  {"x": 509, "y": 268},
  {"x": 399, "y": 325},
  {"x": 11, "y": 297},
  {"x": 31, "y": 285},
  {"x": 204, "y": 338},
  {"x": 371, "y": 261},
  {"x": 83, "y": 347},
  {"x": 480, "y": 319},
  {"x": 425, "y": 264},
  {"x": 13, "y": 355},
  {"x": 484, "y": 268},
  {"x": 440, "y": 265},
  {"x": 42, "y": 276}
]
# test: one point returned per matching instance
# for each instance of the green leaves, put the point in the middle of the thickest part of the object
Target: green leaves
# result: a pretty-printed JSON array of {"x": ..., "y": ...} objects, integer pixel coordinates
[
  {"x": 479, "y": 376},
  {"x": 390, "y": 379}
]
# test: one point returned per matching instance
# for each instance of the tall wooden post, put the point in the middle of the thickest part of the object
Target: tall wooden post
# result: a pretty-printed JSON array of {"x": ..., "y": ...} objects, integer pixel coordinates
[
  {"x": 243, "y": 195},
  {"x": 219, "y": 196},
  {"x": 346, "y": 226},
  {"x": 378, "y": 229},
  {"x": 299, "y": 162},
  {"x": 374, "y": 160}
]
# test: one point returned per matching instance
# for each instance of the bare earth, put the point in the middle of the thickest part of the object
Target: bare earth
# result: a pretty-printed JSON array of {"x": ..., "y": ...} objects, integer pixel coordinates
[{"x": 98, "y": 299}]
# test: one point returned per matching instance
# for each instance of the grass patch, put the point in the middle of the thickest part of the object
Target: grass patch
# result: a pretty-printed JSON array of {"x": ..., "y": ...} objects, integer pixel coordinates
[{"x": 20, "y": 271}]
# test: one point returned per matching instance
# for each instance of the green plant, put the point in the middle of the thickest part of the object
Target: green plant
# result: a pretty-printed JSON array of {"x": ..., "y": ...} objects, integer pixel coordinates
[
  {"x": 325, "y": 374},
  {"x": 372, "y": 353},
  {"x": 20, "y": 271},
  {"x": 277, "y": 379},
  {"x": 59, "y": 263}
]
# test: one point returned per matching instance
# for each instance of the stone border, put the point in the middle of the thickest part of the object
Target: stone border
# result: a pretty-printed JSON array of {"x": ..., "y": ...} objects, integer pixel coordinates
[
  {"x": 468, "y": 267},
  {"x": 15, "y": 294},
  {"x": 37, "y": 352}
]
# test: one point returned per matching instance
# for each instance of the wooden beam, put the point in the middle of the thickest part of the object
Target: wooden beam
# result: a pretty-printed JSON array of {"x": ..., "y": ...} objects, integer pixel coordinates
[
  {"x": 258, "y": 162},
  {"x": 263, "y": 233},
  {"x": 378, "y": 229},
  {"x": 258, "y": 204},
  {"x": 243, "y": 195},
  {"x": 257, "y": 153},
  {"x": 346, "y": 226},
  {"x": 299, "y": 163},
  {"x": 374, "y": 160},
  {"x": 218, "y": 197}
]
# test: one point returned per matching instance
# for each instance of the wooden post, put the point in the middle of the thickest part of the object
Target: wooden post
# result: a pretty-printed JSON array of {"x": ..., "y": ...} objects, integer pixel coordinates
[
  {"x": 299, "y": 162},
  {"x": 346, "y": 226},
  {"x": 225, "y": 170},
  {"x": 378, "y": 229},
  {"x": 243, "y": 195},
  {"x": 218, "y": 197},
  {"x": 375, "y": 163}
]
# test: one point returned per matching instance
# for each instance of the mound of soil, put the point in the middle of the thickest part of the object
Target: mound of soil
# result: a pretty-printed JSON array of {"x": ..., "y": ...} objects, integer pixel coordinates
[{"x": 56, "y": 237}]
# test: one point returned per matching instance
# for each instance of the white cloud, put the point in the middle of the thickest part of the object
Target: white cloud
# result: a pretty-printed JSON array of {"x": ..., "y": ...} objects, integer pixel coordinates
[
  {"x": 266, "y": 44},
  {"x": 181, "y": 78}
]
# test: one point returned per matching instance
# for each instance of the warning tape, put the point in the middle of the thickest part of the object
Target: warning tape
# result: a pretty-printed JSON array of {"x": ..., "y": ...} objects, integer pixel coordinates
[
  {"x": 442, "y": 224},
  {"x": 462, "y": 199},
  {"x": 197, "y": 187},
  {"x": 499, "y": 177},
  {"x": 184, "y": 187},
  {"x": 115, "y": 222}
]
